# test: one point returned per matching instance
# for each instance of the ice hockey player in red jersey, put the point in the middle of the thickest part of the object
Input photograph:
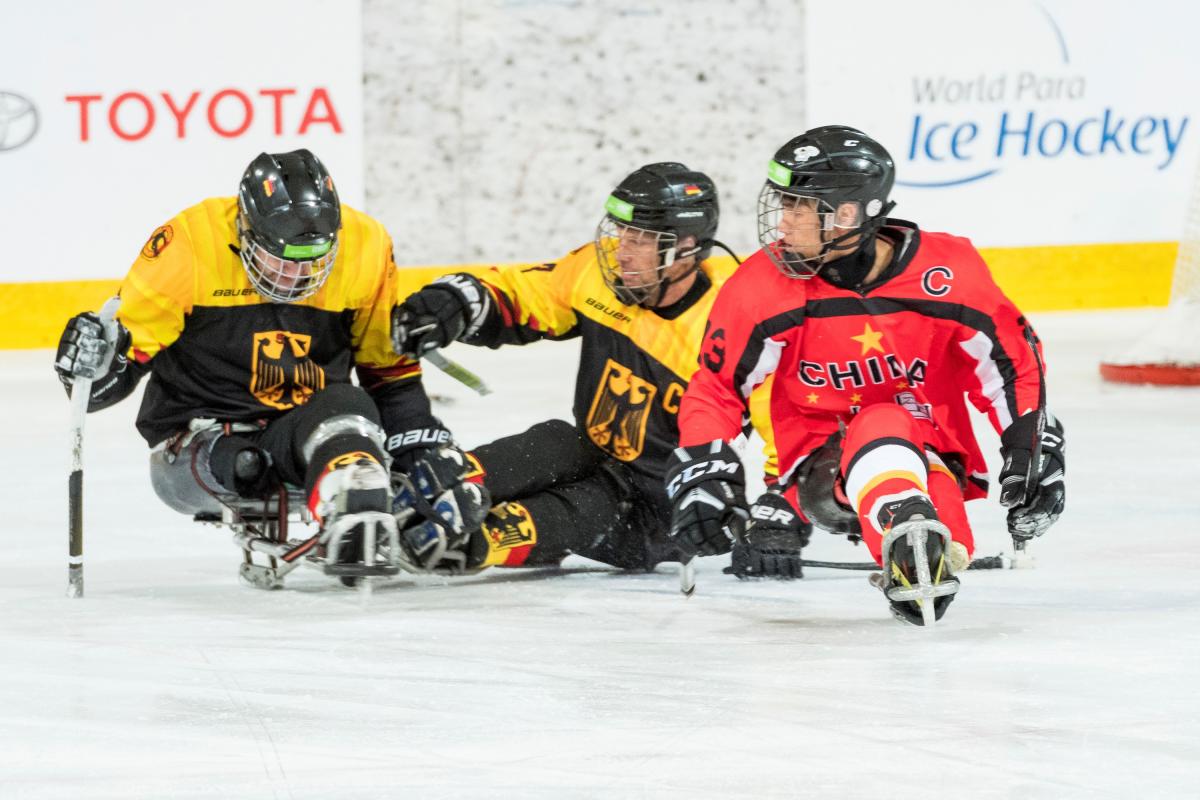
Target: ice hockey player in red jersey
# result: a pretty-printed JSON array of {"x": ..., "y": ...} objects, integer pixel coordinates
[{"x": 877, "y": 332}]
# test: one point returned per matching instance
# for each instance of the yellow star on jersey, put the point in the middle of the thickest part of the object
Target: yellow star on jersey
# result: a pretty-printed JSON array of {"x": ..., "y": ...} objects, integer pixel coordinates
[
  {"x": 813, "y": 397},
  {"x": 856, "y": 398},
  {"x": 902, "y": 385},
  {"x": 869, "y": 339}
]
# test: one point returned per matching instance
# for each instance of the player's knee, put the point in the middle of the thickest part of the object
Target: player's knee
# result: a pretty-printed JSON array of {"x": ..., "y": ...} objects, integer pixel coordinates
[
  {"x": 340, "y": 419},
  {"x": 556, "y": 436},
  {"x": 553, "y": 430},
  {"x": 876, "y": 423},
  {"x": 341, "y": 399},
  {"x": 882, "y": 419},
  {"x": 242, "y": 467}
]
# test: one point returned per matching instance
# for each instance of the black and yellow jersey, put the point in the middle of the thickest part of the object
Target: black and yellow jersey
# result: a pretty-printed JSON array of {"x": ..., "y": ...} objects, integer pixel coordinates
[
  {"x": 216, "y": 348},
  {"x": 635, "y": 362}
]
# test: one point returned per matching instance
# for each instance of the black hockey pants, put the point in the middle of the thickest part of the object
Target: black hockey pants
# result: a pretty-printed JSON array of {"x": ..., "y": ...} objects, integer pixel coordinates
[{"x": 576, "y": 497}]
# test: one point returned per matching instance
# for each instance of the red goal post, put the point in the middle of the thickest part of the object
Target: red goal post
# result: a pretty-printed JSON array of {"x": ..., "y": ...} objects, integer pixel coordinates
[{"x": 1169, "y": 353}]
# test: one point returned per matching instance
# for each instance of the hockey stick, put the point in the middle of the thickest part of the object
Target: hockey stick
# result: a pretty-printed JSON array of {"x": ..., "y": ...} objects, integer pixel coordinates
[
  {"x": 451, "y": 368},
  {"x": 984, "y": 562},
  {"x": 1022, "y": 559},
  {"x": 81, "y": 393},
  {"x": 687, "y": 577},
  {"x": 456, "y": 371}
]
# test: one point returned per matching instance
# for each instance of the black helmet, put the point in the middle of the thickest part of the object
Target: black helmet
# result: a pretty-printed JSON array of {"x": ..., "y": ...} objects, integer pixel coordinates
[
  {"x": 288, "y": 220},
  {"x": 844, "y": 175},
  {"x": 663, "y": 203}
]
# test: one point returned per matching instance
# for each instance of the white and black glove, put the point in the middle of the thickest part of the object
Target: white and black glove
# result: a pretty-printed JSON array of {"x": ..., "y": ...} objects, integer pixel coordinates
[
  {"x": 445, "y": 311},
  {"x": 771, "y": 545},
  {"x": 436, "y": 509},
  {"x": 1033, "y": 492},
  {"x": 90, "y": 349},
  {"x": 706, "y": 485}
]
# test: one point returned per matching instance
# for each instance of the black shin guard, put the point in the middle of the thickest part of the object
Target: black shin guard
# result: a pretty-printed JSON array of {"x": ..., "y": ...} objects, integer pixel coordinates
[
  {"x": 288, "y": 437},
  {"x": 347, "y": 447}
]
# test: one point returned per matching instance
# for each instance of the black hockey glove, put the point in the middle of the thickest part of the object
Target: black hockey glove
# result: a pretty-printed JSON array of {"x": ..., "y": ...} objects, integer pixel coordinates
[
  {"x": 771, "y": 546},
  {"x": 706, "y": 485},
  {"x": 435, "y": 508},
  {"x": 441, "y": 313},
  {"x": 88, "y": 349},
  {"x": 1033, "y": 493}
]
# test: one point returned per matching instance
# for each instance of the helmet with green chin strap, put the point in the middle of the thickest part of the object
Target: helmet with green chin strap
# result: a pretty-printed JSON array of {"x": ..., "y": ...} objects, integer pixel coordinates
[
  {"x": 842, "y": 174},
  {"x": 671, "y": 207},
  {"x": 288, "y": 221}
]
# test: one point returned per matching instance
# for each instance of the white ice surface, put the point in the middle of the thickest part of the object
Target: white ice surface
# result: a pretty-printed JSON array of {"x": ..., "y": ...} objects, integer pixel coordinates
[{"x": 1080, "y": 678}]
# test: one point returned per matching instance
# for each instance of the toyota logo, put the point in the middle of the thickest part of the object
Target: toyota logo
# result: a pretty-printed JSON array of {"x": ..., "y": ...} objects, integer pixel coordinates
[{"x": 18, "y": 120}]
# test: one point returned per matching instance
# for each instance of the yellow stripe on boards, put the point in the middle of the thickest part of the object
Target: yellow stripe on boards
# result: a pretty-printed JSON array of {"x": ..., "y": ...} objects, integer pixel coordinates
[
  {"x": 1069, "y": 277},
  {"x": 33, "y": 314},
  {"x": 1050, "y": 278}
]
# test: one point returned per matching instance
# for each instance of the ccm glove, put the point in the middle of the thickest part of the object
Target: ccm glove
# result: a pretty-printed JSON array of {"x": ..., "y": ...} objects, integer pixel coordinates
[
  {"x": 436, "y": 509},
  {"x": 445, "y": 311},
  {"x": 1032, "y": 488},
  {"x": 770, "y": 547},
  {"x": 89, "y": 349},
  {"x": 706, "y": 486}
]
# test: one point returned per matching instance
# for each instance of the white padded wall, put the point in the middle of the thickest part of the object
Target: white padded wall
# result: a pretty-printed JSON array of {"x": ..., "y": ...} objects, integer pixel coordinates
[{"x": 495, "y": 129}]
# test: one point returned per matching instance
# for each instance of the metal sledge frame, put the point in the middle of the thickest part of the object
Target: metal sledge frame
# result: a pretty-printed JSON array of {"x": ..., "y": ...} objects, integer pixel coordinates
[
  {"x": 259, "y": 528},
  {"x": 269, "y": 536},
  {"x": 924, "y": 591}
]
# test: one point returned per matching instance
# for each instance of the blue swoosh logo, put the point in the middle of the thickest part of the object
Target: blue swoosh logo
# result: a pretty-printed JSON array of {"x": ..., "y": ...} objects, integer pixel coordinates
[{"x": 955, "y": 182}]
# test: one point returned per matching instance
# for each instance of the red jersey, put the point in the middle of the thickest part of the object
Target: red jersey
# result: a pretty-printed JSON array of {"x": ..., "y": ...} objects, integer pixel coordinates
[{"x": 934, "y": 331}]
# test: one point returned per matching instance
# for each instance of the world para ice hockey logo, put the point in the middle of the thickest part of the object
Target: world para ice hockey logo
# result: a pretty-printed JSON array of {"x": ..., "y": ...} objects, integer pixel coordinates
[{"x": 281, "y": 373}]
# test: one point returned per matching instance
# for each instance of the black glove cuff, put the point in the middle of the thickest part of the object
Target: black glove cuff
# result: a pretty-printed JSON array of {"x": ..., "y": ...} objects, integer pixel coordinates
[
  {"x": 472, "y": 294},
  {"x": 1054, "y": 438},
  {"x": 400, "y": 444},
  {"x": 1023, "y": 432},
  {"x": 772, "y": 510}
]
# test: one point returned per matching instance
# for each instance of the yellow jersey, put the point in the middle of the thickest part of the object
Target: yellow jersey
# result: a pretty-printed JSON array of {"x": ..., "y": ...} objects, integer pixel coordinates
[
  {"x": 635, "y": 362},
  {"x": 216, "y": 348}
]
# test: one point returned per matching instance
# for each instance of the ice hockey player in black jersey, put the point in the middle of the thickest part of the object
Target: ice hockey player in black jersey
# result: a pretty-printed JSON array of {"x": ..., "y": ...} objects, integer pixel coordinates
[
  {"x": 249, "y": 313},
  {"x": 638, "y": 296}
]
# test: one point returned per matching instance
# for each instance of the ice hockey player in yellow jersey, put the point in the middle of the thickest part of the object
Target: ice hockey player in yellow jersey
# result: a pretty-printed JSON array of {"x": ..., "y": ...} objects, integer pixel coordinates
[
  {"x": 249, "y": 314},
  {"x": 638, "y": 296}
]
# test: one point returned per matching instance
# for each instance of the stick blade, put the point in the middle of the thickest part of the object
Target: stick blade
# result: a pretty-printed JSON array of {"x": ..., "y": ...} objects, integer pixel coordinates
[{"x": 687, "y": 577}]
